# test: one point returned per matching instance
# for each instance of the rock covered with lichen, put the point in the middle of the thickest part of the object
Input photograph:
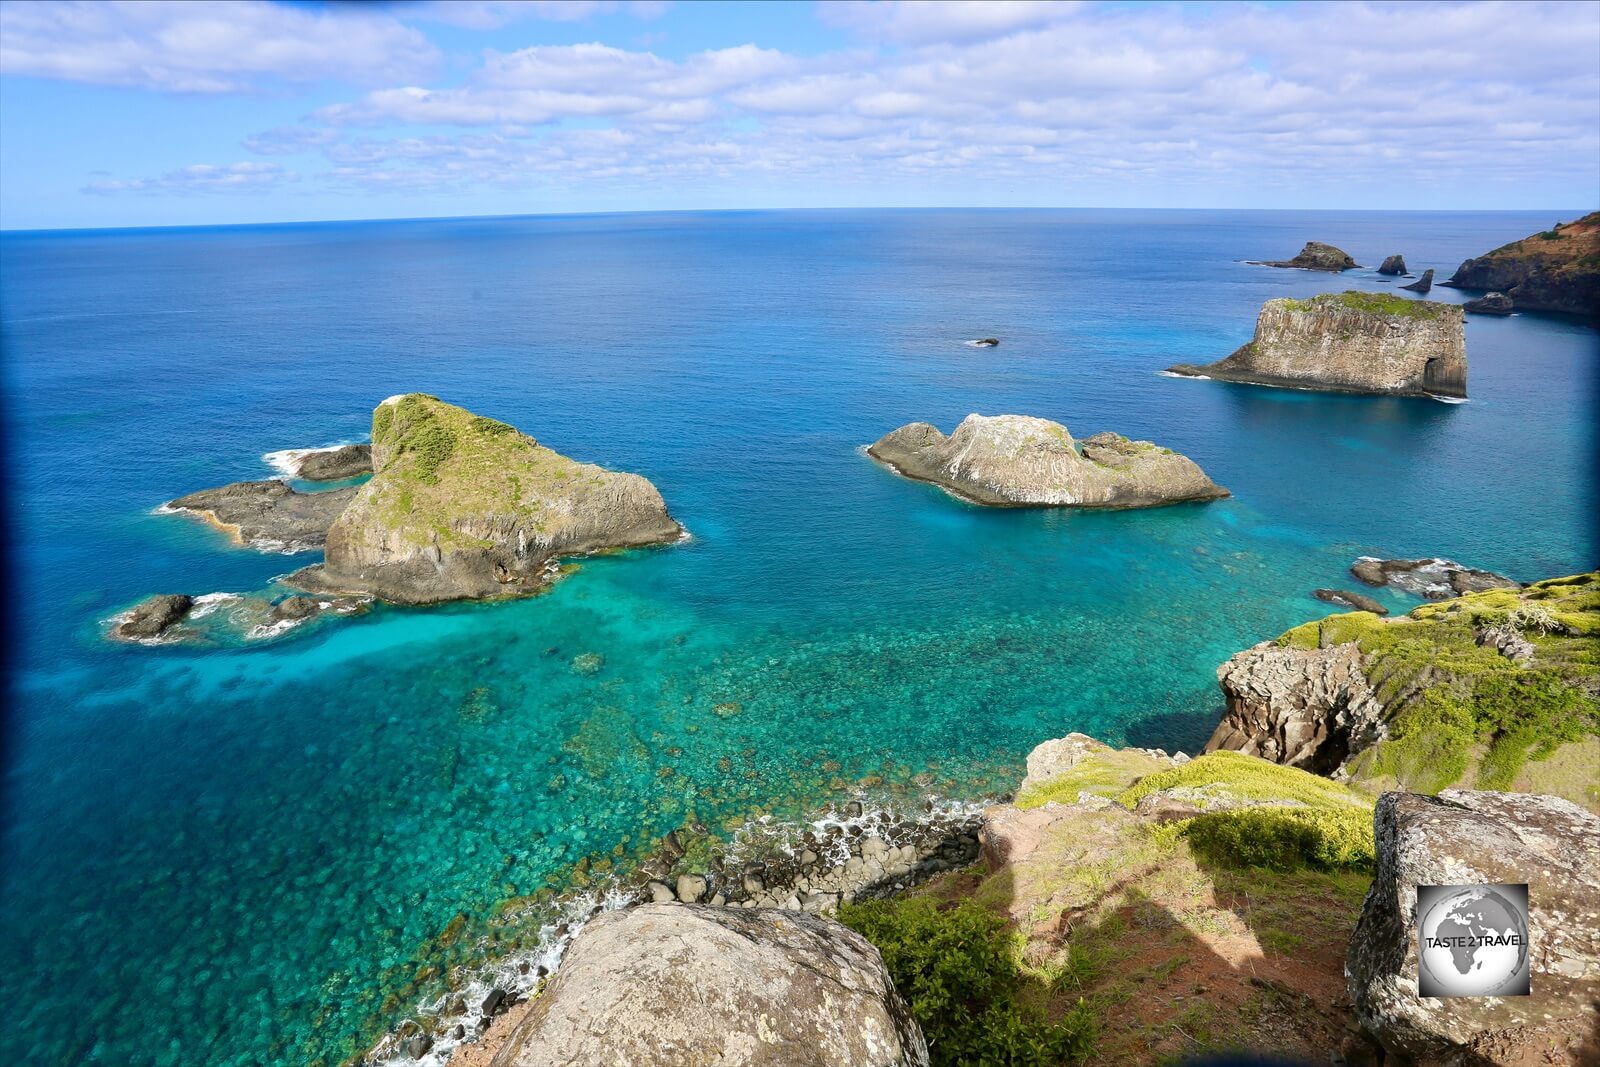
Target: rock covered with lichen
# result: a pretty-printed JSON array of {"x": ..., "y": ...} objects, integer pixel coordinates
[
  {"x": 680, "y": 983},
  {"x": 1351, "y": 342},
  {"x": 1464, "y": 837},
  {"x": 1022, "y": 461},
  {"x": 461, "y": 506}
]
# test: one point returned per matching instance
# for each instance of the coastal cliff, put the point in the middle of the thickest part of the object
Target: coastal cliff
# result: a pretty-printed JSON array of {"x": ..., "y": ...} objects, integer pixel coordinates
[
  {"x": 1021, "y": 461},
  {"x": 464, "y": 507},
  {"x": 1493, "y": 689},
  {"x": 1350, "y": 342},
  {"x": 1556, "y": 270}
]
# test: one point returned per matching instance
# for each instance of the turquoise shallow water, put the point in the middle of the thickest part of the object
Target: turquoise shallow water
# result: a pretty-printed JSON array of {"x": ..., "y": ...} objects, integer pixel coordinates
[{"x": 246, "y": 856}]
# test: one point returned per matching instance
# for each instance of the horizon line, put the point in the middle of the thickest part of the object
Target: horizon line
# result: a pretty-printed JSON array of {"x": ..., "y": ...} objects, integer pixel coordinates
[{"x": 761, "y": 210}]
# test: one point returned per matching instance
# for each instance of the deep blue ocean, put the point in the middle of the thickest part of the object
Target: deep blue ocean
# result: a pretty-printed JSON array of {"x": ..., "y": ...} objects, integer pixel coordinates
[{"x": 254, "y": 855}]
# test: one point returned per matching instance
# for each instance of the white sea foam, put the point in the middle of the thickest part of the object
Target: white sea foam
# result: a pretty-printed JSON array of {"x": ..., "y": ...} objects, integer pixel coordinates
[
  {"x": 206, "y": 604},
  {"x": 1448, "y": 399},
  {"x": 287, "y": 461},
  {"x": 1175, "y": 374}
]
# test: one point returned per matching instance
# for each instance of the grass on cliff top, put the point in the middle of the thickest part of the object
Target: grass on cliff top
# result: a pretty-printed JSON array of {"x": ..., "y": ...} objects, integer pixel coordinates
[
  {"x": 1455, "y": 707},
  {"x": 1374, "y": 304},
  {"x": 1233, "y": 776},
  {"x": 444, "y": 461},
  {"x": 1103, "y": 774}
]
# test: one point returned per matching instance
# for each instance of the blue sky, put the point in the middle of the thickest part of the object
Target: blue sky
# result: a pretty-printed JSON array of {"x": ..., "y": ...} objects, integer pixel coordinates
[{"x": 153, "y": 113}]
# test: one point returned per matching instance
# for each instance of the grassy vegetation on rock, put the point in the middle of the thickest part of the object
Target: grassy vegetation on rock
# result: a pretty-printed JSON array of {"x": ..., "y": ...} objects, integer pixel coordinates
[
  {"x": 1231, "y": 778},
  {"x": 1456, "y": 708},
  {"x": 1373, "y": 304}
]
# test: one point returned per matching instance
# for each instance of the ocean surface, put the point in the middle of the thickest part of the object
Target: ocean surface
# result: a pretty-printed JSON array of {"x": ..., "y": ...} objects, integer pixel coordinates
[{"x": 272, "y": 854}]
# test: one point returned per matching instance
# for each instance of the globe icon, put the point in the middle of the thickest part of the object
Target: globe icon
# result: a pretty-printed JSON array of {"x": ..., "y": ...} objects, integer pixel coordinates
[{"x": 1473, "y": 942}]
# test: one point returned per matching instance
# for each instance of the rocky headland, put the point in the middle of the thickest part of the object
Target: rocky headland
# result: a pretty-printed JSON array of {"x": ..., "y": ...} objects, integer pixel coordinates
[
  {"x": 1314, "y": 256},
  {"x": 461, "y": 506},
  {"x": 1021, "y": 461},
  {"x": 268, "y": 515},
  {"x": 1350, "y": 342},
  {"x": 1555, "y": 270},
  {"x": 1493, "y": 689}
]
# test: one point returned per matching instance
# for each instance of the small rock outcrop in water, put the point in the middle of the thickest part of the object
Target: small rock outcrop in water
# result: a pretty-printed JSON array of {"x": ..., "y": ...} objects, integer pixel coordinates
[
  {"x": 987, "y": 342},
  {"x": 1351, "y": 342},
  {"x": 1314, "y": 256},
  {"x": 1394, "y": 265},
  {"x": 1422, "y": 284},
  {"x": 334, "y": 464},
  {"x": 1345, "y": 598},
  {"x": 1557, "y": 270},
  {"x": 1310, "y": 708},
  {"x": 152, "y": 617},
  {"x": 1021, "y": 461},
  {"x": 464, "y": 507},
  {"x": 681, "y": 983},
  {"x": 1490, "y": 304},
  {"x": 1435, "y": 579},
  {"x": 268, "y": 514},
  {"x": 1477, "y": 838}
]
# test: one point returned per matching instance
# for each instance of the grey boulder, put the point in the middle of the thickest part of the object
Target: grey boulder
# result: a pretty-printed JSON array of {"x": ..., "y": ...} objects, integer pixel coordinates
[
  {"x": 693, "y": 984},
  {"x": 1490, "y": 304},
  {"x": 333, "y": 464},
  {"x": 1422, "y": 284},
  {"x": 1466, "y": 837},
  {"x": 153, "y": 616}
]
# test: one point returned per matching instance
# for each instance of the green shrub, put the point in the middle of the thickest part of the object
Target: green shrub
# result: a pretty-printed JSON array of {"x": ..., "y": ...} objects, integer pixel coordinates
[
  {"x": 1285, "y": 839},
  {"x": 431, "y": 443},
  {"x": 958, "y": 968}
]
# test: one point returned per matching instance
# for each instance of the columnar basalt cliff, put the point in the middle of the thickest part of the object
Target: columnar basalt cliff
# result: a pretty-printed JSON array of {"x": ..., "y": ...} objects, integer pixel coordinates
[
  {"x": 1351, "y": 342},
  {"x": 1021, "y": 461},
  {"x": 464, "y": 507},
  {"x": 1556, "y": 270}
]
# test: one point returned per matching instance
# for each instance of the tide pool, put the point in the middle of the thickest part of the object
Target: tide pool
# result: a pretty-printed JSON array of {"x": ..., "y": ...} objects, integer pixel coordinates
[{"x": 241, "y": 856}]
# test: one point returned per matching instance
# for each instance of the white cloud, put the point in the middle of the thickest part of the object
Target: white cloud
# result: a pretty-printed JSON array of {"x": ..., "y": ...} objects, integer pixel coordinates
[
  {"x": 289, "y": 140},
  {"x": 924, "y": 21},
  {"x": 203, "y": 47},
  {"x": 492, "y": 14},
  {"x": 245, "y": 177}
]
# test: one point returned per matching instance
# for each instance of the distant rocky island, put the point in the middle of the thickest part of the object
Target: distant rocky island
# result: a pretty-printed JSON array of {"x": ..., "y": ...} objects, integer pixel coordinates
[
  {"x": 1555, "y": 270},
  {"x": 1314, "y": 256},
  {"x": 1022, "y": 461},
  {"x": 1350, "y": 342}
]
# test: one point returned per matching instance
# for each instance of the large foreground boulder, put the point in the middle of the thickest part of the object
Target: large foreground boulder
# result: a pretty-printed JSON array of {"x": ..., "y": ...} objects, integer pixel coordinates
[
  {"x": 1021, "y": 461},
  {"x": 691, "y": 984},
  {"x": 1350, "y": 342},
  {"x": 1479, "y": 838},
  {"x": 1302, "y": 707},
  {"x": 464, "y": 507},
  {"x": 268, "y": 514}
]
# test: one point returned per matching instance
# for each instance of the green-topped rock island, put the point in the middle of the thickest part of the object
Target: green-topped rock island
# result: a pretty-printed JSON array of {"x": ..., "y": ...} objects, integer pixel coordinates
[
  {"x": 1350, "y": 342},
  {"x": 463, "y": 507}
]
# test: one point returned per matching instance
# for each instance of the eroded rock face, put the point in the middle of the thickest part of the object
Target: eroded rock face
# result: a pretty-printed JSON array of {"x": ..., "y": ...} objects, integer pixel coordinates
[
  {"x": 679, "y": 983},
  {"x": 1470, "y": 838},
  {"x": 1310, "y": 708},
  {"x": 464, "y": 507},
  {"x": 1021, "y": 461},
  {"x": 333, "y": 464},
  {"x": 1422, "y": 284},
  {"x": 1435, "y": 579},
  {"x": 1393, "y": 265},
  {"x": 269, "y": 514},
  {"x": 152, "y": 617},
  {"x": 1315, "y": 256},
  {"x": 1351, "y": 342}
]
